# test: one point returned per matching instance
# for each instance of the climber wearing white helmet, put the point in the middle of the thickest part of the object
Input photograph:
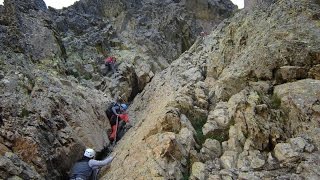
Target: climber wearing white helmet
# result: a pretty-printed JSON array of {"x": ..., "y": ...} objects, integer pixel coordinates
[{"x": 85, "y": 167}]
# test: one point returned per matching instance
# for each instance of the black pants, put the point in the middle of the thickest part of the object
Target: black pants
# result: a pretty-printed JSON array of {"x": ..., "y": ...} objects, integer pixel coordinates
[
  {"x": 113, "y": 120},
  {"x": 111, "y": 66}
]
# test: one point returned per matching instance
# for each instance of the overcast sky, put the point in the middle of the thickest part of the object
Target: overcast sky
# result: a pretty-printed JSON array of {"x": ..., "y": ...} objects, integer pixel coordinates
[
  {"x": 58, "y": 4},
  {"x": 239, "y": 3}
]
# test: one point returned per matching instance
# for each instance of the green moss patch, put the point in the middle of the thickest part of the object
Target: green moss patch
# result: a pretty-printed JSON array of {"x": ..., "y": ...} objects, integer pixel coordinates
[
  {"x": 275, "y": 101},
  {"x": 197, "y": 125}
]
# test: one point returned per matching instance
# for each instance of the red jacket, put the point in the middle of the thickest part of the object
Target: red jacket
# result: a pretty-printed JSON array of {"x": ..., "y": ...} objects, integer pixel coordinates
[{"x": 110, "y": 59}]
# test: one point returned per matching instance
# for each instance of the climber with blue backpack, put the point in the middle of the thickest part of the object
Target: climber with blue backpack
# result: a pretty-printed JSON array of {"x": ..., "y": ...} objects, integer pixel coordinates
[{"x": 116, "y": 113}]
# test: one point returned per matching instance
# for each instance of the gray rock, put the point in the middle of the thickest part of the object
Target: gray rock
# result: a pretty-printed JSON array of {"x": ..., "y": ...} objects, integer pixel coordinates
[
  {"x": 198, "y": 171},
  {"x": 211, "y": 149},
  {"x": 16, "y": 167},
  {"x": 248, "y": 176},
  {"x": 314, "y": 72},
  {"x": 301, "y": 145},
  {"x": 257, "y": 160},
  {"x": 290, "y": 73},
  {"x": 89, "y": 68},
  {"x": 211, "y": 128},
  {"x": 300, "y": 97},
  {"x": 214, "y": 177},
  {"x": 309, "y": 168},
  {"x": 252, "y": 160},
  {"x": 251, "y": 4},
  {"x": 229, "y": 159},
  {"x": 220, "y": 115},
  {"x": 285, "y": 153},
  {"x": 36, "y": 39},
  {"x": 187, "y": 138}
]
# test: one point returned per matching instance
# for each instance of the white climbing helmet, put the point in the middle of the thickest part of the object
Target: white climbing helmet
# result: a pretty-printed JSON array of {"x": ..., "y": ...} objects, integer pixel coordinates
[{"x": 90, "y": 153}]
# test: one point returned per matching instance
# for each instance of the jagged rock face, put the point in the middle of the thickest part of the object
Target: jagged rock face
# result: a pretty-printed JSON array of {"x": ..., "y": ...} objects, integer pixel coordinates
[
  {"x": 249, "y": 85},
  {"x": 241, "y": 103},
  {"x": 144, "y": 35},
  {"x": 170, "y": 26},
  {"x": 47, "y": 120},
  {"x": 26, "y": 32},
  {"x": 52, "y": 65}
]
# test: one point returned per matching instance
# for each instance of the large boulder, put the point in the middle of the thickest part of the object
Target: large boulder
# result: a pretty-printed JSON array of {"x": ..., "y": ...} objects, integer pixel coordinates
[
  {"x": 300, "y": 102},
  {"x": 12, "y": 167},
  {"x": 198, "y": 171},
  {"x": 285, "y": 152},
  {"x": 211, "y": 149}
]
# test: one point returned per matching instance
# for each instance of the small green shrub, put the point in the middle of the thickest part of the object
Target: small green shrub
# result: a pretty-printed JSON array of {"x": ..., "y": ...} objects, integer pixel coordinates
[
  {"x": 221, "y": 137},
  {"x": 197, "y": 125},
  {"x": 186, "y": 174},
  {"x": 87, "y": 76},
  {"x": 24, "y": 113},
  {"x": 72, "y": 73},
  {"x": 185, "y": 177},
  {"x": 275, "y": 101},
  {"x": 99, "y": 48}
]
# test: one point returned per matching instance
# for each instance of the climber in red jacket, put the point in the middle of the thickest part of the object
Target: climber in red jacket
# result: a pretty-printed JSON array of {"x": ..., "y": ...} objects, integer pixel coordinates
[
  {"x": 110, "y": 62},
  {"x": 116, "y": 114}
]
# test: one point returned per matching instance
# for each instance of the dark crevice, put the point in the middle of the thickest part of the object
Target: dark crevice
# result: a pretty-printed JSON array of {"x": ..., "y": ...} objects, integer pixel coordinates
[
  {"x": 135, "y": 89},
  {"x": 197, "y": 125},
  {"x": 186, "y": 174},
  {"x": 1, "y": 117},
  {"x": 61, "y": 46},
  {"x": 270, "y": 145},
  {"x": 103, "y": 153}
]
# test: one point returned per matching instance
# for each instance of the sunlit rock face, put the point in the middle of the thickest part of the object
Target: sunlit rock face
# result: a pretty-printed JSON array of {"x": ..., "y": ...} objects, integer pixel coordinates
[
  {"x": 55, "y": 87},
  {"x": 238, "y": 101},
  {"x": 241, "y": 103}
]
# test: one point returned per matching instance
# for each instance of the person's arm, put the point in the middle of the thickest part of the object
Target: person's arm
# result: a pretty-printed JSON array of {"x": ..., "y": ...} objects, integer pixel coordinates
[
  {"x": 96, "y": 163},
  {"x": 114, "y": 110}
]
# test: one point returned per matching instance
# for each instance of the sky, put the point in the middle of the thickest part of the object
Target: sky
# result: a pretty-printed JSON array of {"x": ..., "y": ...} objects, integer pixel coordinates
[
  {"x": 58, "y": 4},
  {"x": 239, "y": 3}
]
